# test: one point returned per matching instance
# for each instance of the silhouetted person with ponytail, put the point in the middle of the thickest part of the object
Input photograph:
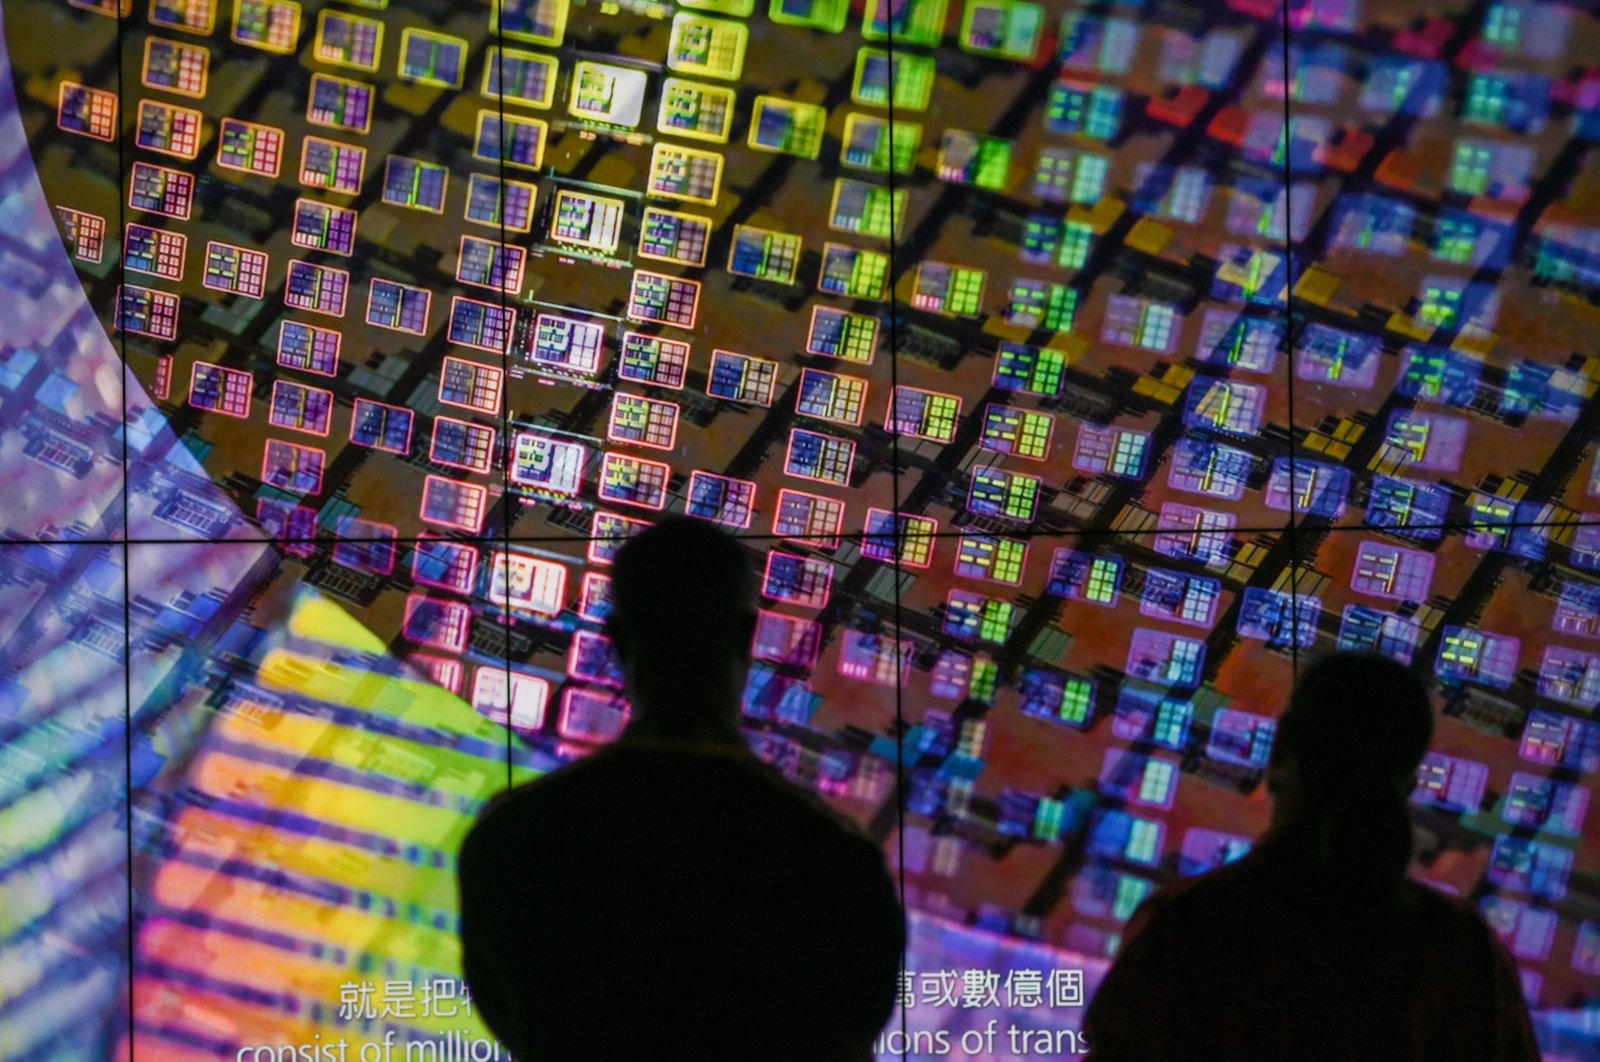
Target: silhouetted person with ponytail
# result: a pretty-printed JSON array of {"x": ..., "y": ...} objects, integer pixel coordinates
[{"x": 1315, "y": 946}]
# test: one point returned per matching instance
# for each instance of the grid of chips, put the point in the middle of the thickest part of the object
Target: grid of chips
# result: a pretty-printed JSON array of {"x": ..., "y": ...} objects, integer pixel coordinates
[{"x": 1078, "y": 369}]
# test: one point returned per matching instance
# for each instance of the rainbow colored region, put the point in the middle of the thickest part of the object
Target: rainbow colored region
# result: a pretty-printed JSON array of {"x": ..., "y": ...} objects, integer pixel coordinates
[{"x": 1073, "y": 371}]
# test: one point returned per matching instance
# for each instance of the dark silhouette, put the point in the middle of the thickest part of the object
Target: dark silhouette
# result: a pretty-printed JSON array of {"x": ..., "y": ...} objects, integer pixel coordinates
[
  {"x": 672, "y": 896},
  {"x": 1315, "y": 946}
]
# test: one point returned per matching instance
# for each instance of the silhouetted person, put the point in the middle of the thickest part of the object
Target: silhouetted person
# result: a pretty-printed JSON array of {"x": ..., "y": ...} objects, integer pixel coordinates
[
  {"x": 671, "y": 896},
  {"x": 1315, "y": 946}
]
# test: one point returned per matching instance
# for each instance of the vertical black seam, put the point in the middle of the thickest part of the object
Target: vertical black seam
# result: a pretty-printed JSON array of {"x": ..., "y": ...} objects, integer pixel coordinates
[
  {"x": 1290, "y": 346},
  {"x": 121, "y": 345},
  {"x": 895, "y": 519}
]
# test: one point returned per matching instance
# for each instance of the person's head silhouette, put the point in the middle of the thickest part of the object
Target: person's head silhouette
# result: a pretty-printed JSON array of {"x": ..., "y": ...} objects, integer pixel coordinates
[
  {"x": 683, "y": 611},
  {"x": 1344, "y": 761}
]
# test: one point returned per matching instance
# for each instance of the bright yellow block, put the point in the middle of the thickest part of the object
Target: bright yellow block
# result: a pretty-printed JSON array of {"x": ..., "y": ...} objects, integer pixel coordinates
[
  {"x": 1149, "y": 236},
  {"x": 1317, "y": 286},
  {"x": 1349, "y": 430},
  {"x": 224, "y": 837},
  {"x": 315, "y": 618},
  {"x": 322, "y": 800},
  {"x": 1476, "y": 341},
  {"x": 449, "y": 771},
  {"x": 1407, "y": 325},
  {"x": 1159, "y": 390},
  {"x": 414, "y": 701},
  {"x": 1074, "y": 346},
  {"x": 1178, "y": 375},
  {"x": 1099, "y": 217}
]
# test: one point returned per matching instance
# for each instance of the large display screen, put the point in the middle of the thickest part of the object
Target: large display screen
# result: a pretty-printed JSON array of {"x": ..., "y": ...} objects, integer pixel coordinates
[{"x": 1072, "y": 372}]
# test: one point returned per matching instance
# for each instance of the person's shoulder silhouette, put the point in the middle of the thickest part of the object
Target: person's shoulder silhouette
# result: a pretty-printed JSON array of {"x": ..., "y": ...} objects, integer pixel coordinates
[
  {"x": 671, "y": 896},
  {"x": 1315, "y": 945}
]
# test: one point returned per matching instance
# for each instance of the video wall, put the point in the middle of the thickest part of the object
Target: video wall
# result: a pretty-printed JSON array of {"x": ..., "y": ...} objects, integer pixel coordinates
[{"x": 1071, "y": 370}]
